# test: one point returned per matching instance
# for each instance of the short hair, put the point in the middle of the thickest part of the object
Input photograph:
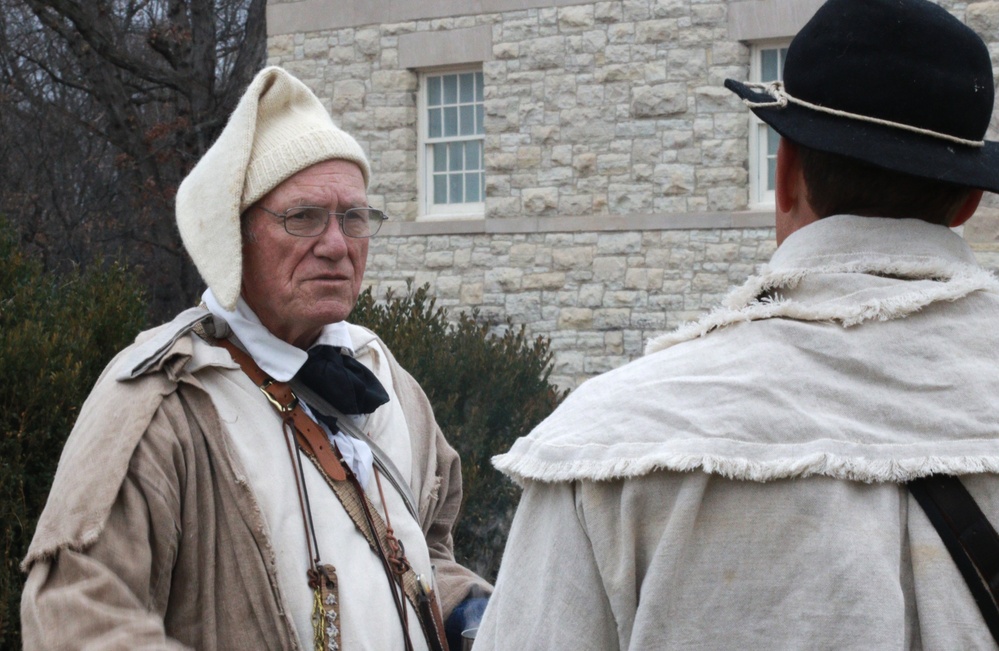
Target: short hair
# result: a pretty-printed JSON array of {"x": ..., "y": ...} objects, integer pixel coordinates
[{"x": 841, "y": 185}]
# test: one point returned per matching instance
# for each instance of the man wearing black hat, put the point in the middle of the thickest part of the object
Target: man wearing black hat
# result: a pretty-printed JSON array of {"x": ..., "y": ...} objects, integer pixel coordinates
[{"x": 757, "y": 480}]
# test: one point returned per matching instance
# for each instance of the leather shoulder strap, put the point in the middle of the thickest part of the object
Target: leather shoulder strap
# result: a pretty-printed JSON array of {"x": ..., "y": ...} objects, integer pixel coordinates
[{"x": 969, "y": 537}]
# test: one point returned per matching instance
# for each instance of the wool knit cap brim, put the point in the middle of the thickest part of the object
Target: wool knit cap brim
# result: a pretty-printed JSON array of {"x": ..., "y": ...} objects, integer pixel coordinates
[{"x": 278, "y": 129}]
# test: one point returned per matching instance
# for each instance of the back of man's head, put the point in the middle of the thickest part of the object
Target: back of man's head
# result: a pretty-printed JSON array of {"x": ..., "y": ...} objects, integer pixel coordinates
[{"x": 838, "y": 185}]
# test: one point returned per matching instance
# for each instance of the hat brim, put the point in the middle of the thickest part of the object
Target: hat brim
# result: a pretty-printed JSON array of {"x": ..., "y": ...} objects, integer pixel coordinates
[{"x": 883, "y": 146}]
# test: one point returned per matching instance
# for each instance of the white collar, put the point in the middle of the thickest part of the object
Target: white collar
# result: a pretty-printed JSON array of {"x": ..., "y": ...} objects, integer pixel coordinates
[{"x": 276, "y": 357}]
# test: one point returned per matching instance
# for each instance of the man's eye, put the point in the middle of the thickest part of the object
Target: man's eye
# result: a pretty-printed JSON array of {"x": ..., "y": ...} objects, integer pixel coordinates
[{"x": 304, "y": 215}]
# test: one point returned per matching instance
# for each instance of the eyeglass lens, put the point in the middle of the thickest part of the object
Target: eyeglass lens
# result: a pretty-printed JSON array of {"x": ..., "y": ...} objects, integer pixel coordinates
[{"x": 309, "y": 221}]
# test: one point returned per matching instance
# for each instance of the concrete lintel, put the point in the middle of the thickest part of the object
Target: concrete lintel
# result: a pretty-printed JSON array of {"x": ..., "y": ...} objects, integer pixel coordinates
[
  {"x": 446, "y": 48},
  {"x": 758, "y": 20}
]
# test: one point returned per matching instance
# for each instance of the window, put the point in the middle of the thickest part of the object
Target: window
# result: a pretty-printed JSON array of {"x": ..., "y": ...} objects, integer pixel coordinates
[
  {"x": 767, "y": 65},
  {"x": 452, "y": 136}
]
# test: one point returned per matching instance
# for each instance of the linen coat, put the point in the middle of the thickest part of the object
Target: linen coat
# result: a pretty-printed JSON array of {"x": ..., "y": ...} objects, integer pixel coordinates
[
  {"x": 741, "y": 486},
  {"x": 154, "y": 537}
]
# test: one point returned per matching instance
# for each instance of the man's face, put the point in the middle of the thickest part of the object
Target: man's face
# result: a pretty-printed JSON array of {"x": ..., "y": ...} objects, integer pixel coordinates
[{"x": 297, "y": 285}]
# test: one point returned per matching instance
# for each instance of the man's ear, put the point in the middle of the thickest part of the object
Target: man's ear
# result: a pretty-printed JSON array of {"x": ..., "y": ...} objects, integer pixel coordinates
[
  {"x": 967, "y": 209},
  {"x": 786, "y": 185}
]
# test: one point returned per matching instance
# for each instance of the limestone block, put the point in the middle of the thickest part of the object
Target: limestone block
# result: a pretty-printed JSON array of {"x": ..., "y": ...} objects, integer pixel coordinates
[
  {"x": 983, "y": 17},
  {"x": 448, "y": 287},
  {"x": 523, "y": 253},
  {"x": 647, "y": 279},
  {"x": 280, "y": 45},
  {"x": 647, "y": 320},
  {"x": 393, "y": 80},
  {"x": 316, "y": 47},
  {"x": 585, "y": 163},
  {"x": 540, "y": 200},
  {"x": 609, "y": 269},
  {"x": 715, "y": 283},
  {"x": 367, "y": 42},
  {"x": 546, "y": 53},
  {"x": 670, "y": 8},
  {"x": 635, "y": 10},
  {"x": 576, "y": 17},
  {"x": 591, "y": 295},
  {"x": 572, "y": 257},
  {"x": 613, "y": 163},
  {"x": 625, "y": 198},
  {"x": 709, "y": 14},
  {"x": 551, "y": 280},
  {"x": 503, "y": 279},
  {"x": 617, "y": 72},
  {"x": 614, "y": 342},
  {"x": 471, "y": 294},
  {"x": 611, "y": 318},
  {"x": 607, "y": 12},
  {"x": 411, "y": 253},
  {"x": 675, "y": 179},
  {"x": 656, "y": 31},
  {"x": 575, "y": 318},
  {"x": 686, "y": 64},
  {"x": 505, "y": 51},
  {"x": 524, "y": 307}
]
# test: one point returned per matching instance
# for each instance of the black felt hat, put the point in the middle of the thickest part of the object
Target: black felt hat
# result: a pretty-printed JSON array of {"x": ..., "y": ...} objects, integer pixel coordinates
[{"x": 859, "y": 65}]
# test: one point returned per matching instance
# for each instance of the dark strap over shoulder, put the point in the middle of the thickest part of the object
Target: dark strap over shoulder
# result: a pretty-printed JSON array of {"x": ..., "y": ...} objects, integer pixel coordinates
[{"x": 968, "y": 536}]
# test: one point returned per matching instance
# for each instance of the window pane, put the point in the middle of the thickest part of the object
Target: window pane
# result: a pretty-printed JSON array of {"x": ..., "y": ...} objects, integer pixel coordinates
[
  {"x": 768, "y": 65},
  {"x": 478, "y": 86},
  {"x": 466, "y": 119},
  {"x": 450, "y": 89},
  {"x": 433, "y": 91},
  {"x": 434, "y": 123},
  {"x": 455, "y": 183},
  {"x": 472, "y": 187},
  {"x": 772, "y": 141},
  {"x": 480, "y": 124},
  {"x": 466, "y": 87},
  {"x": 455, "y": 151},
  {"x": 473, "y": 155},
  {"x": 450, "y": 121},
  {"x": 440, "y": 188},
  {"x": 440, "y": 158}
]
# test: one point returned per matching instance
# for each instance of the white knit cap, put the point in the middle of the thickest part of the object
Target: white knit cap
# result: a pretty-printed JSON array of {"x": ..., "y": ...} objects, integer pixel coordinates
[{"x": 279, "y": 128}]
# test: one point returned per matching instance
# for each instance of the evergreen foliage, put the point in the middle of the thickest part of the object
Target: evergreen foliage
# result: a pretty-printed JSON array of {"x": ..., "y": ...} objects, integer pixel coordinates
[
  {"x": 57, "y": 332},
  {"x": 486, "y": 390}
]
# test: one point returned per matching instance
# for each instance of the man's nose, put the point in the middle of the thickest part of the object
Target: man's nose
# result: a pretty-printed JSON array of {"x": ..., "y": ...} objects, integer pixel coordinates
[{"x": 332, "y": 243}]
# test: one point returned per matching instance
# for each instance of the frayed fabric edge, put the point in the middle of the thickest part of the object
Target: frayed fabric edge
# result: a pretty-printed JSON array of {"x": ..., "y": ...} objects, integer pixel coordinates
[
  {"x": 521, "y": 468},
  {"x": 742, "y": 305},
  {"x": 49, "y": 552}
]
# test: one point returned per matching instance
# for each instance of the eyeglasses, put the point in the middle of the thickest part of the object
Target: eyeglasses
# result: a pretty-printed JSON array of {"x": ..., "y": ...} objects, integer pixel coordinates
[{"x": 311, "y": 221}]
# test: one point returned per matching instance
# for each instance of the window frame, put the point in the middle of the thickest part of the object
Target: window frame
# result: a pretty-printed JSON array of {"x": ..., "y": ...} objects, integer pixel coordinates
[
  {"x": 428, "y": 210},
  {"x": 760, "y": 196}
]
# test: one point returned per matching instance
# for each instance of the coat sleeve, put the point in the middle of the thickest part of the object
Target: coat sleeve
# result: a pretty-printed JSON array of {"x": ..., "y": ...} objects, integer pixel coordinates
[
  {"x": 549, "y": 592},
  {"x": 112, "y": 592}
]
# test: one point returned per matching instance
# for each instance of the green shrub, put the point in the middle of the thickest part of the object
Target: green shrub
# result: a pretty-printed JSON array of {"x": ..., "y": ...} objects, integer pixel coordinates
[
  {"x": 56, "y": 335},
  {"x": 486, "y": 390}
]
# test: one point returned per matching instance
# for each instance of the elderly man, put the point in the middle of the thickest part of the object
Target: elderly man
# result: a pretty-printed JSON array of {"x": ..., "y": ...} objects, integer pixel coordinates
[
  {"x": 198, "y": 503},
  {"x": 757, "y": 480}
]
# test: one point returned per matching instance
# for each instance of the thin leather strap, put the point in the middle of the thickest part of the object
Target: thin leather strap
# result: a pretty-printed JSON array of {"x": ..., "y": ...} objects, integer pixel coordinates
[
  {"x": 968, "y": 536},
  {"x": 347, "y": 426},
  {"x": 307, "y": 432}
]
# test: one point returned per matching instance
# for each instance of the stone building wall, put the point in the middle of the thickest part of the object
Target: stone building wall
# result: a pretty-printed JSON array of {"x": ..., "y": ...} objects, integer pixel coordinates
[{"x": 617, "y": 201}]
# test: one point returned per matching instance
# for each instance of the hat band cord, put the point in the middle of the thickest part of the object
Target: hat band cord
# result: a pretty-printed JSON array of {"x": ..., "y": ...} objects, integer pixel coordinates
[{"x": 782, "y": 99}]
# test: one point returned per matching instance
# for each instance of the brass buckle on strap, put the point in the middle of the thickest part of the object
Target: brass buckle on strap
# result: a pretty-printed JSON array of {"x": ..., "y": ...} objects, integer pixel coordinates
[{"x": 283, "y": 409}]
